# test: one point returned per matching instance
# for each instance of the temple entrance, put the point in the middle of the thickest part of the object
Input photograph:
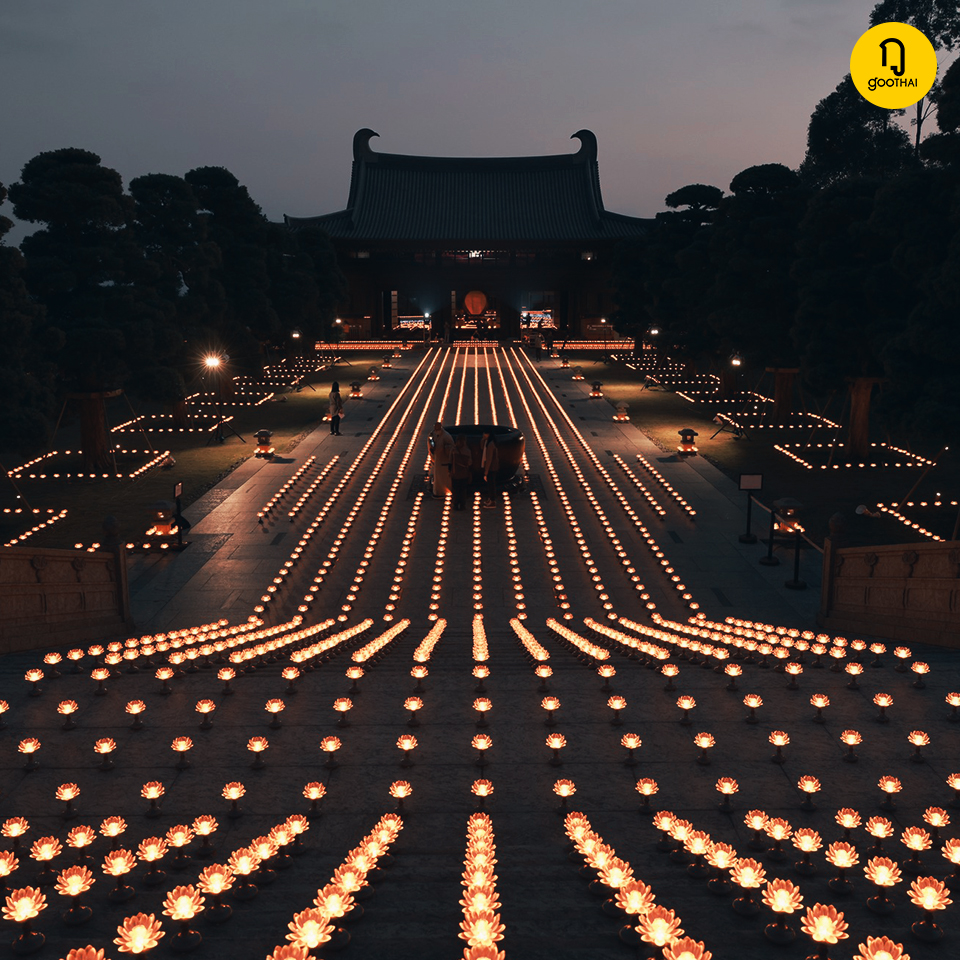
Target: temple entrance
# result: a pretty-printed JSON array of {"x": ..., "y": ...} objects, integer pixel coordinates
[{"x": 478, "y": 317}]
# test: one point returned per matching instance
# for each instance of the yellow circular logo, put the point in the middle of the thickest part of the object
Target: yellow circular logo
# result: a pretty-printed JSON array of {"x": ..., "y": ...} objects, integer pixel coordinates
[{"x": 893, "y": 65}]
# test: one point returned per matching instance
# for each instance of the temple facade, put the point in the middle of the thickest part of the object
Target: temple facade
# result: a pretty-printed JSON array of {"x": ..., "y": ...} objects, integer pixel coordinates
[{"x": 475, "y": 247}]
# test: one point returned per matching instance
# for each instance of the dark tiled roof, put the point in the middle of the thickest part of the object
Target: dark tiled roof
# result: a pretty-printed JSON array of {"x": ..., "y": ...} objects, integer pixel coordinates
[{"x": 396, "y": 197}]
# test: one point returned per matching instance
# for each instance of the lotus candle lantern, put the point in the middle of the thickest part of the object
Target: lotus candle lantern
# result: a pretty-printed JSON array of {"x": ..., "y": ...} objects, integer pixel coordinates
[
  {"x": 635, "y": 899},
  {"x": 916, "y": 840},
  {"x": 756, "y": 820},
  {"x": 930, "y": 895},
  {"x": 853, "y": 670},
  {"x": 953, "y": 782},
  {"x": 8, "y": 863},
  {"x": 890, "y": 786},
  {"x": 15, "y": 828},
  {"x": 136, "y": 709},
  {"x": 178, "y": 837},
  {"x": 607, "y": 671},
  {"x": 233, "y": 791},
  {"x": 213, "y": 882},
  {"x": 101, "y": 675},
  {"x": 664, "y": 821},
  {"x": 182, "y": 746},
  {"x": 482, "y": 705},
  {"x": 793, "y": 670},
  {"x": 843, "y": 856},
  {"x": 705, "y": 742},
  {"x": 400, "y": 790},
  {"x": 257, "y": 746},
  {"x": 419, "y": 673},
  {"x": 882, "y": 872},
  {"x": 330, "y": 746},
  {"x": 544, "y": 671},
  {"x": 67, "y": 709},
  {"x": 882, "y": 701},
  {"x": 265, "y": 849},
  {"x": 936, "y": 817},
  {"x": 164, "y": 675},
  {"x": 880, "y": 829},
  {"x": 551, "y": 705},
  {"x": 903, "y": 654},
  {"x": 33, "y": 676},
  {"x": 807, "y": 841},
  {"x": 44, "y": 851},
  {"x": 152, "y": 851},
  {"x": 752, "y": 701},
  {"x": 204, "y": 827},
  {"x": 412, "y": 705},
  {"x": 407, "y": 742},
  {"x": 851, "y": 739},
  {"x": 226, "y": 674},
  {"x": 314, "y": 792},
  {"x": 722, "y": 857},
  {"x": 481, "y": 743},
  {"x": 783, "y": 898},
  {"x": 646, "y": 787},
  {"x": 809, "y": 786},
  {"x": 697, "y": 843},
  {"x": 749, "y": 875},
  {"x": 733, "y": 670},
  {"x": 778, "y": 830},
  {"x": 481, "y": 671},
  {"x": 51, "y": 660},
  {"x": 79, "y": 838},
  {"x": 152, "y": 791},
  {"x": 290, "y": 674},
  {"x": 22, "y": 906},
  {"x": 68, "y": 792},
  {"x": 72, "y": 882},
  {"x": 118, "y": 863},
  {"x": 686, "y": 704},
  {"x": 825, "y": 925},
  {"x": 343, "y": 705},
  {"x": 727, "y": 787},
  {"x": 821, "y": 701},
  {"x": 849, "y": 819},
  {"x": 779, "y": 739},
  {"x": 659, "y": 927},
  {"x": 951, "y": 852},
  {"x": 139, "y": 933},
  {"x": 918, "y": 739},
  {"x": 670, "y": 671},
  {"x": 29, "y": 747},
  {"x": 920, "y": 670},
  {"x": 242, "y": 863},
  {"x": 274, "y": 707},
  {"x": 4, "y": 708},
  {"x": 481, "y": 789},
  {"x": 556, "y": 742},
  {"x": 632, "y": 742}
]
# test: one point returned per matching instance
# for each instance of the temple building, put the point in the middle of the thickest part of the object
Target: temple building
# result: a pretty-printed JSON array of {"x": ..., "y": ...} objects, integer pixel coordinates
[{"x": 475, "y": 247}]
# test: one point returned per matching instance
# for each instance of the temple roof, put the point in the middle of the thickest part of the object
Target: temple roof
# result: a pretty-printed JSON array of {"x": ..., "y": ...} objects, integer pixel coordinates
[{"x": 473, "y": 199}]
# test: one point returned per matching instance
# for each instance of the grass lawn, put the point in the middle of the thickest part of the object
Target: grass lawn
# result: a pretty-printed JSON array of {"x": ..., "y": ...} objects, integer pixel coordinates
[
  {"x": 661, "y": 413},
  {"x": 199, "y": 466}
]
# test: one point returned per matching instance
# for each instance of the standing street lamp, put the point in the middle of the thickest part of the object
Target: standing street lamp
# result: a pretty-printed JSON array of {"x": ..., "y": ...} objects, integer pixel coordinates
[{"x": 214, "y": 363}]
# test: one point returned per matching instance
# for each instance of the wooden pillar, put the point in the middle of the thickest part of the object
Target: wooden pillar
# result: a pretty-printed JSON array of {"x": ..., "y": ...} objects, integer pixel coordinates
[{"x": 782, "y": 392}]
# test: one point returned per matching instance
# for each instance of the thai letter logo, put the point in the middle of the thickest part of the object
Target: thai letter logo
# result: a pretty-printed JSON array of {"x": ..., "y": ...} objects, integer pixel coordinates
[{"x": 898, "y": 71}]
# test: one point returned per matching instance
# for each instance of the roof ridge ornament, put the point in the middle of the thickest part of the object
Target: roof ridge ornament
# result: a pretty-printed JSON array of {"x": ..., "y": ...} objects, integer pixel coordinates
[
  {"x": 588, "y": 144},
  {"x": 361, "y": 144}
]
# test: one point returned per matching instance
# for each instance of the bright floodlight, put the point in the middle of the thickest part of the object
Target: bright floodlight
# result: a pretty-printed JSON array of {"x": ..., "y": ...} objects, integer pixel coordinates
[{"x": 212, "y": 360}]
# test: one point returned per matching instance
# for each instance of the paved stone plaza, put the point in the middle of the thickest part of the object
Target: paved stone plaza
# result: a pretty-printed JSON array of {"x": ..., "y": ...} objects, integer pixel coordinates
[{"x": 364, "y": 544}]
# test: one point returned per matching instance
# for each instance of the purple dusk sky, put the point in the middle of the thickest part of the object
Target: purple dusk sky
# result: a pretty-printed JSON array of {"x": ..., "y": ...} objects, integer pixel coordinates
[{"x": 677, "y": 91}]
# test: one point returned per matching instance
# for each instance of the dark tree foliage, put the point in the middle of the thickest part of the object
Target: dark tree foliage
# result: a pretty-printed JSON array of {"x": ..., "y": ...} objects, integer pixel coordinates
[
  {"x": 850, "y": 137},
  {"x": 25, "y": 389},
  {"x": 752, "y": 302}
]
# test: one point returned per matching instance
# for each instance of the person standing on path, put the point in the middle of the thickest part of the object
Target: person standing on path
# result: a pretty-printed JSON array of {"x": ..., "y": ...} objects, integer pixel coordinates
[
  {"x": 335, "y": 408},
  {"x": 460, "y": 471},
  {"x": 441, "y": 448},
  {"x": 490, "y": 460}
]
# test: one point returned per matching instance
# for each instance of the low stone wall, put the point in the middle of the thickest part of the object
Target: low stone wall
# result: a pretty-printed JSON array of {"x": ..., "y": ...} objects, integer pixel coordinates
[
  {"x": 905, "y": 592},
  {"x": 49, "y": 597}
]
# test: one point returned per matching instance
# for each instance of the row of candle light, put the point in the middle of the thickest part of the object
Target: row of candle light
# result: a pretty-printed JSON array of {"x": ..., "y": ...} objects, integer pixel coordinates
[
  {"x": 313, "y": 927},
  {"x": 907, "y": 522},
  {"x": 332, "y": 555},
  {"x": 505, "y": 393},
  {"x": 662, "y": 480},
  {"x": 909, "y": 459},
  {"x": 516, "y": 581},
  {"x": 799, "y": 421},
  {"x": 52, "y": 518},
  {"x": 287, "y": 485},
  {"x": 654, "y": 924},
  {"x": 311, "y": 489},
  {"x": 136, "y": 425},
  {"x": 546, "y": 542},
  {"x": 328, "y": 505},
  {"x": 652, "y": 501},
  {"x": 585, "y": 555},
  {"x": 618, "y": 548},
  {"x": 156, "y": 459},
  {"x": 400, "y": 571},
  {"x": 481, "y": 927},
  {"x": 446, "y": 394}
]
